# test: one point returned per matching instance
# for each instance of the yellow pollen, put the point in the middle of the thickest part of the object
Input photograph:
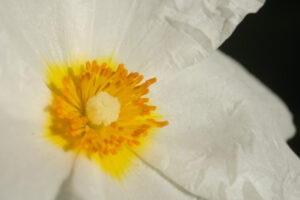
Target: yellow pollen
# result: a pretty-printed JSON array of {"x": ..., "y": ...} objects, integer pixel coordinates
[
  {"x": 101, "y": 112},
  {"x": 103, "y": 108}
]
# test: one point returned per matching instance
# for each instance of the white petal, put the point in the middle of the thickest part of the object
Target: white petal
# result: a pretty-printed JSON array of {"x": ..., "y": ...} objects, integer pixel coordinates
[
  {"x": 31, "y": 168},
  {"x": 52, "y": 30},
  {"x": 89, "y": 182},
  {"x": 147, "y": 35},
  {"x": 24, "y": 94},
  {"x": 225, "y": 137}
]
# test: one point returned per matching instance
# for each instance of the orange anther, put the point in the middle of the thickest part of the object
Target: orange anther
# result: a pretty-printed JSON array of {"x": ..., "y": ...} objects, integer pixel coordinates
[
  {"x": 88, "y": 66},
  {"x": 94, "y": 64},
  {"x": 151, "y": 81},
  {"x": 139, "y": 79},
  {"x": 113, "y": 151},
  {"x": 135, "y": 142},
  {"x": 103, "y": 65}
]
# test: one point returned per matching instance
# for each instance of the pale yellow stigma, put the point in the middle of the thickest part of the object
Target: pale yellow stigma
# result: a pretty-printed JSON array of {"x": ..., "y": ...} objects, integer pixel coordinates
[{"x": 103, "y": 108}]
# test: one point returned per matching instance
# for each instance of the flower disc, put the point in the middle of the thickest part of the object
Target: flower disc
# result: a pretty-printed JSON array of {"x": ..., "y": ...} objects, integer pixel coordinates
[{"x": 99, "y": 110}]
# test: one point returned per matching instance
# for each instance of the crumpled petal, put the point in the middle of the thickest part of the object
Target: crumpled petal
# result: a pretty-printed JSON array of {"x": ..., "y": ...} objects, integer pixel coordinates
[
  {"x": 154, "y": 36},
  {"x": 147, "y": 35},
  {"x": 225, "y": 134}
]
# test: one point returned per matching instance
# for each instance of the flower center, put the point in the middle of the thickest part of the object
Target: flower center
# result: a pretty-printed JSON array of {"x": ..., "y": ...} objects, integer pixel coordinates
[
  {"x": 100, "y": 111},
  {"x": 103, "y": 108}
]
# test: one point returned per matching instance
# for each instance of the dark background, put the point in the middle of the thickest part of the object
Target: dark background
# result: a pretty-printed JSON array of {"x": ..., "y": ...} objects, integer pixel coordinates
[{"x": 267, "y": 44}]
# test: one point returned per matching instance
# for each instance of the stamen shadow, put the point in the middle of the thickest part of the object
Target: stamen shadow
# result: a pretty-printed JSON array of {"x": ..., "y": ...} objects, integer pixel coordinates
[{"x": 66, "y": 190}]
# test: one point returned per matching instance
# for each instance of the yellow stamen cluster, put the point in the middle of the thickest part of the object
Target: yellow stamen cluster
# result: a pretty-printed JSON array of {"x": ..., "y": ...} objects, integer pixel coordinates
[{"x": 69, "y": 115}]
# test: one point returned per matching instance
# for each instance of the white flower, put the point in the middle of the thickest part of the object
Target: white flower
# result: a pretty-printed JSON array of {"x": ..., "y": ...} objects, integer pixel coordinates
[{"x": 226, "y": 133}]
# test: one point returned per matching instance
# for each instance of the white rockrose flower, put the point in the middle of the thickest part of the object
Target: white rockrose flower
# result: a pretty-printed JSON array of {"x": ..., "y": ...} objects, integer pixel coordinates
[{"x": 129, "y": 99}]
